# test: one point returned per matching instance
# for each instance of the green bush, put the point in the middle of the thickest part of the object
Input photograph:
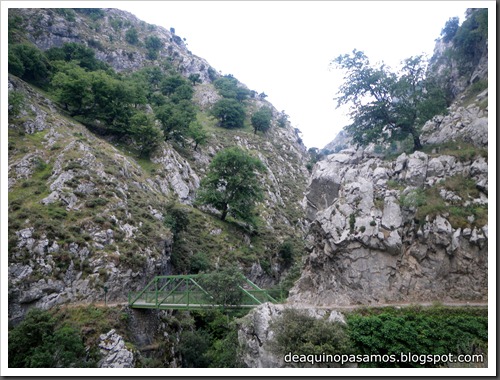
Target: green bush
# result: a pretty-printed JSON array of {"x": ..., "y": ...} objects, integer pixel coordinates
[
  {"x": 38, "y": 342},
  {"x": 29, "y": 63},
  {"x": 229, "y": 113},
  {"x": 286, "y": 252},
  {"x": 16, "y": 102},
  {"x": 297, "y": 332},
  {"x": 434, "y": 331},
  {"x": 131, "y": 36}
]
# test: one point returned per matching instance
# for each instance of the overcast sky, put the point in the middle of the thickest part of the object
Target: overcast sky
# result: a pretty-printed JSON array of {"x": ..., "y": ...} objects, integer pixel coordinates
[{"x": 284, "y": 48}]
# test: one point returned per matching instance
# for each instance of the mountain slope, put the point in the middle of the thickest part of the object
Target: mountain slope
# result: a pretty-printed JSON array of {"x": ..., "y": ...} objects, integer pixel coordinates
[{"x": 87, "y": 211}]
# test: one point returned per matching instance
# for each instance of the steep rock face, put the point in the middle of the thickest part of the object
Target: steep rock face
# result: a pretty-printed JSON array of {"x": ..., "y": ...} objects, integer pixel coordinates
[
  {"x": 469, "y": 124},
  {"x": 85, "y": 212},
  {"x": 371, "y": 240},
  {"x": 107, "y": 33},
  {"x": 413, "y": 229},
  {"x": 79, "y": 229}
]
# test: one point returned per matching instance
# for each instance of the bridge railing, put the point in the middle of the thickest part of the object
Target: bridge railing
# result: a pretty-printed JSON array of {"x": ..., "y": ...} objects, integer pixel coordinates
[{"x": 185, "y": 292}]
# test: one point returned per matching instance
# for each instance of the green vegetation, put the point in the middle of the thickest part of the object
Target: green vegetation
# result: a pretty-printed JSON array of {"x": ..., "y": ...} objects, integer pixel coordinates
[
  {"x": 461, "y": 213},
  {"x": 39, "y": 342},
  {"x": 386, "y": 105},
  {"x": 228, "y": 88},
  {"x": 29, "y": 63},
  {"x": 211, "y": 341},
  {"x": 435, "y": 330},
  {"x": 470, "y": 39},
  {"x": 426, "y": 331},
  {"x": 131, "y": 36},
  {"x": 232, "y": 185},
  {"x": 261, "y": 120},
  {"x": 450, "y": 29},
  {"x": 297, "y": 332},
  {"x": 229, "y": 113},
  {"x": 16, "y": 103},
  {"x": 223, "y": 285},
  {"x": 462, "y": 150}
]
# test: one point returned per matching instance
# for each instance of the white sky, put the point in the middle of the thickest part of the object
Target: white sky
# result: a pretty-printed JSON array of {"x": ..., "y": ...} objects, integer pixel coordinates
[{"x": 284, "y": 48}]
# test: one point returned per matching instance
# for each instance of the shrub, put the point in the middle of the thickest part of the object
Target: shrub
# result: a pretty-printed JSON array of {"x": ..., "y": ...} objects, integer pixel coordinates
[
  {"x": 229, "y": 112},
  {"x": 131, "y": 36},
  {"x": 297, "y": 332},
  {"x": 38, "y": 342},
  {"x": 16, "y": 102},
  {"x": 286, "y": 252},
  {"x": 434, "y": 331}
]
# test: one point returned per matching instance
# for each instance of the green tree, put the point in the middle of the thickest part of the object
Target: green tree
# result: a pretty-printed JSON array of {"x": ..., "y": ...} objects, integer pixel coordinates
[
  {"x": 131, "y": 36},
  {"x": 228, "y": 87},
  {"x": 38, "y": 342},
  {"x": 450, "y": 29},
  {"x": 175, "y": 118},
  {"x": 471, "y": 39},
  {"x": 71, "y": 86},
  {"x": 194, "y": 78},
  {"x": 223, "y": 285},
  {"x": 232, "y": 185},
  {"x": 145, "y": 133},
  {"x": 384, "y": 104},
  {"x": 170, "y": 84},
  {"x": 197, "y": 133},
  {"x": 192, "y": 347},
  {"x": 29, "y": 63},
  {"x": 83, "y": 55},
  {"x": 261, "y": 120},
  {"x": 229, "y": 112}
]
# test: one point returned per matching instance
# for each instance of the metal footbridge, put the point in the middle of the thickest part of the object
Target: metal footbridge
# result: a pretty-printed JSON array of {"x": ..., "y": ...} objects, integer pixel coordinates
[{"x": 186, "y": 292}]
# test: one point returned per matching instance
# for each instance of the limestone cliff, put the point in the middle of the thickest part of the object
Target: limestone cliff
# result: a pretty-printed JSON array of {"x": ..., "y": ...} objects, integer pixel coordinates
[
  {"x": 87, "y": 213},
  {"x": 409, "y": 229}
]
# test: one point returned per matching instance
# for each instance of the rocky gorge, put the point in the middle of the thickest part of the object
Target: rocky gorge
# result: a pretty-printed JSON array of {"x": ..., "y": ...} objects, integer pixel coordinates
[{"x": 90, "y": 218}]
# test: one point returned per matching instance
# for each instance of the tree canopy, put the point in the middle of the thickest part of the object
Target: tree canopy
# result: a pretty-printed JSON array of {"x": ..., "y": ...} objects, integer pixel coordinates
[
  {"x": 38, "y": 342},
  {"x": 261, "y": 120},
  {"x": 232, "y": 185},
  {"x": 229, "y": 112},
  {"x": 385, "y": 104}
]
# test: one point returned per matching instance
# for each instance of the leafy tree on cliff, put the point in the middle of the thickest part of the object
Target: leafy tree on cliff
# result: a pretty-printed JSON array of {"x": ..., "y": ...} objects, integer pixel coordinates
[
  {"x": 229, "y": 112},
  {"x": 261, "y": 120},
  {"x": 232, "y": 184},
  {"x": 385, "y": 104}
]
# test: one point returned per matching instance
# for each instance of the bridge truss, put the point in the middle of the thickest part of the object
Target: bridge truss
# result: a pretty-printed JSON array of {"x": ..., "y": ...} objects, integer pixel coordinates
[{"x": 185, "y": 292}]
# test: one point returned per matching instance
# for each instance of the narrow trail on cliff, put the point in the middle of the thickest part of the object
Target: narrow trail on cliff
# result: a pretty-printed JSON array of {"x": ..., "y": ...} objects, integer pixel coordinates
[{"x": 321, "y": 307}]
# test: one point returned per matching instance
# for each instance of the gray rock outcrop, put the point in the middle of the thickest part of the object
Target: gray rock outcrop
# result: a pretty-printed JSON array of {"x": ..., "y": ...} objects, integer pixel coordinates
[
  {"x": 370, "y": 244},
  {"x": 115, "y": 354}
]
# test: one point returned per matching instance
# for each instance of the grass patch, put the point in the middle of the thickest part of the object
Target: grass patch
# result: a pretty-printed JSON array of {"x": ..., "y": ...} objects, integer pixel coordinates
[
  {"x": 430, "y": 203},
  {"x": 460, "y": 149}
]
